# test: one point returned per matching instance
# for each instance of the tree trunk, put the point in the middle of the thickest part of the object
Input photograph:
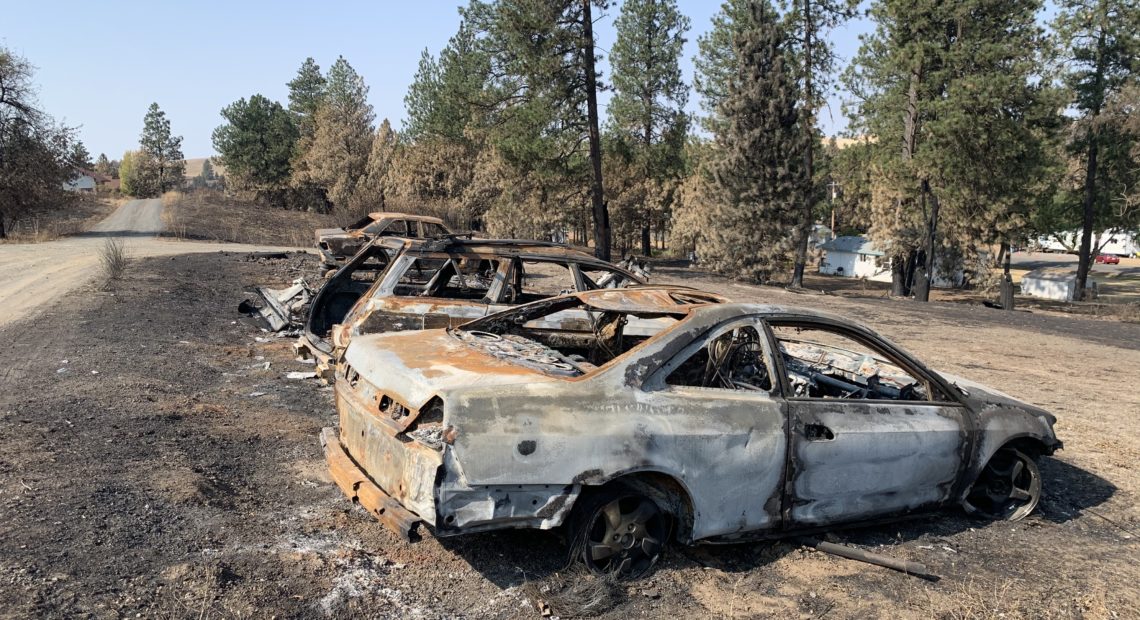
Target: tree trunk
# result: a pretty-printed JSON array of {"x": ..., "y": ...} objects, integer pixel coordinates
[
  {"x": 809, "y": 155},
  {"x": 597, "y": 196},
  {"x": 1087, "y": 213},
  {"x": 1006, "y": 279},
  {"x": 898, "y": 276},
  {"x": 923, "y": 292}
]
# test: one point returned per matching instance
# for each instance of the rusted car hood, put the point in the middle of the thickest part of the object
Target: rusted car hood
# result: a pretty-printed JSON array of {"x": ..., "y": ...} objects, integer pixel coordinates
[{"x": 417, "y": 365}]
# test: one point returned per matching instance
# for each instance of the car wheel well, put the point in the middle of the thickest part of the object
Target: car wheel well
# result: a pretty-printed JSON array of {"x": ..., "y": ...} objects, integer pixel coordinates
[
  {"x": 664, "y": 489},
  {"x": 1029, "y": 446}
]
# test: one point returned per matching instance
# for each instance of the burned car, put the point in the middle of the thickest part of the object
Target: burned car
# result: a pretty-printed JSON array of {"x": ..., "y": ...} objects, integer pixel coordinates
[
  {"x": 336, "y": 245},
  {"x": 403, "y": 284},
  {"x": 636, "y": 417}
]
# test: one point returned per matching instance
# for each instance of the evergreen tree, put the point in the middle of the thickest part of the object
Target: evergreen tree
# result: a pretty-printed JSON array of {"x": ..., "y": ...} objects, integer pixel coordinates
[
  {"x": 80, "y": 157},
  {"x": 757, "y": 180},
  {"x": 372, "y": 192},
  {"x": 256, "y": 145},
  {"x": 445, "y": 97},
  {"x": 716, "y": 63},
  {"x": 1100, "y": 41},
  {"x": 338, "y": 155},
  {"x": 542, "y": 92},
  {"x": 305, "y": 94},
  {"x": 207, "y": 173},
  {"x": 106, "y": 167},
  {"x": 161, "y": 166},
  {"x": 947, "y": 90},
  {"x": 647, "y": 108},
  {"x": 809, "y": 22}
]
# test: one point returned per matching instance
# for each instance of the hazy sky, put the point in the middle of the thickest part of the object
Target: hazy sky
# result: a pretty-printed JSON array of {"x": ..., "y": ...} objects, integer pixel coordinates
[{"x": 100, "y": 64}]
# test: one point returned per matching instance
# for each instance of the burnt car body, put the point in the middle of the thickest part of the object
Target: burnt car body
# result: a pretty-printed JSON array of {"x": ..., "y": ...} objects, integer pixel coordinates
[
  {"x": 408, "y": 284},
  {"x": 336, "y": 245},
  {"x": 641, "y": 415}
]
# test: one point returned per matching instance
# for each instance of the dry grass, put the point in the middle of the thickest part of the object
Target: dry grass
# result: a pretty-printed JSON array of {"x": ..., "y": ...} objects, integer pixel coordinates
[
  {"x": 211, "y": 216},
  {"x": 78, "y": 216},
  {"x": 113, "y": 259}
]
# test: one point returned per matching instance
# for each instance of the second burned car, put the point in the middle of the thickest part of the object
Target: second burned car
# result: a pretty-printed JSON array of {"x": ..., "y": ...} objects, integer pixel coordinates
[
  {"x": 638, "y": 416},
  {"x": 411, "y": 284}
]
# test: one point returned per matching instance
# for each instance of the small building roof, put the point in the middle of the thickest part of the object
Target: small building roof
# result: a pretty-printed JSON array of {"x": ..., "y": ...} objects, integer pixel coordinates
[{"x": 853, "y": 244}]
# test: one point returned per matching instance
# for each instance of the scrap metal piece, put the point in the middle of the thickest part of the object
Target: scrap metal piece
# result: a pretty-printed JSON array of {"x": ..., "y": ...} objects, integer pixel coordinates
[
  {"x": 281, "y": 308},
  {"x": 853, "y": 553}
]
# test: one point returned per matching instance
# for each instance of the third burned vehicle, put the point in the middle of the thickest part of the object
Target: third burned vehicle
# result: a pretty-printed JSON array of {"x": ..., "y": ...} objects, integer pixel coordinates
[
  {"x": 638, "y": 416},
  {"x": 336, "y": 245},
  {"x": 411, "y": 284}
]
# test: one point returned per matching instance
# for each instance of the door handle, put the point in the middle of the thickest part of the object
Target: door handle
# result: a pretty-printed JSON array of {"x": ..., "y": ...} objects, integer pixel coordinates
[{"x": 818, "y": 432}]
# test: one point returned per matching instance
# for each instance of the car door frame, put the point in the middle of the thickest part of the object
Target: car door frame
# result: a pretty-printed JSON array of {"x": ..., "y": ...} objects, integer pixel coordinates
[
  {"x": 734, "y": 526},
  {"x": 968, "y": 438}
]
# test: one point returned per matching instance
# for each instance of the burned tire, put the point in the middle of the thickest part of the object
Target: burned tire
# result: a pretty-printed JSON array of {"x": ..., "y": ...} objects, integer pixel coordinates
[
  {"x": 1008, "y": 489},
  {"x": 619, "y": 532}
]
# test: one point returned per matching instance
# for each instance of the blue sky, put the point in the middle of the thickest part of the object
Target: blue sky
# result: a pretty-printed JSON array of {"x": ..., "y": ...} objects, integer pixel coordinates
[{"x": 100, "y": 64}]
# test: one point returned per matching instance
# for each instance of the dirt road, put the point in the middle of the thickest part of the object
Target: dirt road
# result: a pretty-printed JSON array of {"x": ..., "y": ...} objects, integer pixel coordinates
[{"x": 33, "y": 276}]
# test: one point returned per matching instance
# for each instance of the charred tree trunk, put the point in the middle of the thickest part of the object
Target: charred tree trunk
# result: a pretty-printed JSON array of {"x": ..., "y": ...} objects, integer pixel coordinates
[
  {"x": 898, "y": 276},
  {"x": 922, "y": 292},
  {"x": 809, "y": 155},
  {"x": 597, "y": 195}
]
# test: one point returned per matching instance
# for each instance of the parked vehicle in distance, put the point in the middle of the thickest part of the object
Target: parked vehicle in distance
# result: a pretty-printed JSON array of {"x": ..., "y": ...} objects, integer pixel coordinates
[
  {"x": 639, "y": 416},
  {"x": 1108, "y": 259},
  {"x": 335, "y": 245},
  {"x": 412, "y": 284}
]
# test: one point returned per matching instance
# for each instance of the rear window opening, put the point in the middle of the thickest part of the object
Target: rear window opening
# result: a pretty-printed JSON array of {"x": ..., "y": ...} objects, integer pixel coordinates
[{"x": 566, "y": 337}]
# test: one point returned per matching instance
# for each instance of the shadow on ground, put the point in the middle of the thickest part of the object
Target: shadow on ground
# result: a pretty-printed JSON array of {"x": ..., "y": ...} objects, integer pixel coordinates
[{"x": 513, "y": 557}]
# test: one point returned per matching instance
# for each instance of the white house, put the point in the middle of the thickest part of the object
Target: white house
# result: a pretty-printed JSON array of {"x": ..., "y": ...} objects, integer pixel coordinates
[
  {"x": 857, "y": 257},
  {"x": 1058, "y": 283},
  {"x": 854, "y": 257},
  {"x": 83, "y": 181}
]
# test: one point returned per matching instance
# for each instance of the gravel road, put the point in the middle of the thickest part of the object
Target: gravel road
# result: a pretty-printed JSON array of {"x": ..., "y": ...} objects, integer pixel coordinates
[{"x": 35, "y": 275}]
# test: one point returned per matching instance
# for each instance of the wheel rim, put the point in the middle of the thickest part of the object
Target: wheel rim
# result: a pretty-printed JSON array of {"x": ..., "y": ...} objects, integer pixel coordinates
[
  {"x": 1008, "y": 488},
  {"x": 625, "y": 537}
]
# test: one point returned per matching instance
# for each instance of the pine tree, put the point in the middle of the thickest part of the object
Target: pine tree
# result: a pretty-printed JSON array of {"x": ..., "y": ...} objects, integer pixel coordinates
[
  {"x": 716, "y": 62},
  {"x": 372, "y": 192},
  {"x": 947, "y": 90},
  {"x": 647, "y": 108},
  {"x": 80, "y": 157},
  {"x": 106, "y": 167},
  {"x": 161, "y": 165},
  {"x": 1100, "y": 41},
  {"x": 337, "y": 158},
  {"x": 757, "y": 180},
  {"x": 305, "y": 94},
  {"x": 809, "y": 22},
  {"x": 256, "y": 145},
  {"x": 542, "y": 91},
  {"x": 445, "y": 97},
  {"x": 207, "y": 173}
]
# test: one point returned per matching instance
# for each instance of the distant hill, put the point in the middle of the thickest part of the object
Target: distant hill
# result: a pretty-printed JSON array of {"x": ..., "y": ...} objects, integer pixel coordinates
[{"x": 194, "y": 167}]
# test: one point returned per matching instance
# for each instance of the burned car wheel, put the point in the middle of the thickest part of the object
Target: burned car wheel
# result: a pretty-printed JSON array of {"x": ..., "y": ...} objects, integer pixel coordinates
[
  {"x": 620, "y": 532},
  {"x": 1008, "y": 489}
]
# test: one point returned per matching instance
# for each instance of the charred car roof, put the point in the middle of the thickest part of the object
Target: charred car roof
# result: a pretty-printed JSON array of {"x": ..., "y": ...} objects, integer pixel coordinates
[
  {"x": 526, "y": 250},
  {"x": 379, "y": 215}
]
